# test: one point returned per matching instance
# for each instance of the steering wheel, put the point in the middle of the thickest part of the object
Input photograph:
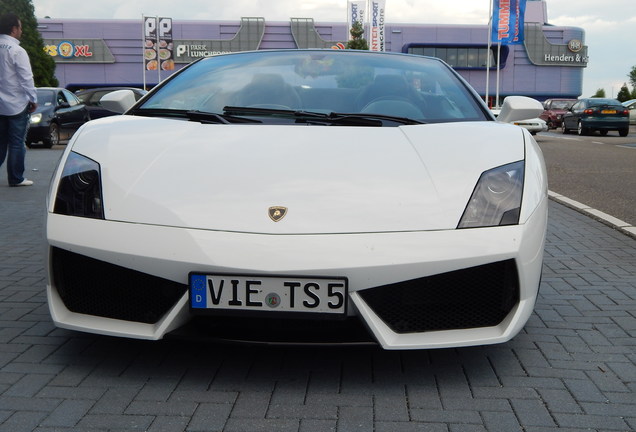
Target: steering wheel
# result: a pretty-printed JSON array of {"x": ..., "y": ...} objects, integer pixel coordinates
[{"x": 395, "y": 106}]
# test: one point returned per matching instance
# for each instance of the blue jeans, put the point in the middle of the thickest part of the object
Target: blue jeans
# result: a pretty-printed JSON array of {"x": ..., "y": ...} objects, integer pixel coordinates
[{"x": 13, "y": 130}]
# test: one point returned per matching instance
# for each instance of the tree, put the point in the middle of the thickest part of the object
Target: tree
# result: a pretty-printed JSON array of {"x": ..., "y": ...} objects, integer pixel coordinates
[
  {"x": 42, "y": 64},
  {"x": 632, "y": 77},
  {"x": 624, "y": 94},
  {"x": 357, "y": 41},
  {"x": 599, "y": 93}
]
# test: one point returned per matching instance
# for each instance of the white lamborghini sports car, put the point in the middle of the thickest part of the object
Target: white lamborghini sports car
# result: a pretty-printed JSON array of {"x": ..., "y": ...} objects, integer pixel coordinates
[{"x": 301, "y": 196}]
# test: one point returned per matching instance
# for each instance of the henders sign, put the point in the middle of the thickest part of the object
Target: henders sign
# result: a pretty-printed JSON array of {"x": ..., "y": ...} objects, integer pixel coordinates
[{"x": 543, "y": 52}]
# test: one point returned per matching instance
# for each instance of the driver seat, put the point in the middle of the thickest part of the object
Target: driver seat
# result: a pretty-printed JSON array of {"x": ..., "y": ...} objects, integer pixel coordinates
[
  {"x": 268, "y": 91},
  {"x": 391, "y": 95}
]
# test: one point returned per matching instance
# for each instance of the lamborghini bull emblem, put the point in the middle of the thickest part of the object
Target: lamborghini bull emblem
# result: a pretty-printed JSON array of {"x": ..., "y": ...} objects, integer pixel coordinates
[{"x": 276, "y": 213}]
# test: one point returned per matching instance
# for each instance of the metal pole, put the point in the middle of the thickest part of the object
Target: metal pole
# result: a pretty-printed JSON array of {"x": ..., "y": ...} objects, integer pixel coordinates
[
  {"x": 488, "y": 52},
  {"x": 498, "y": 65},
  {"x": 157, "y": 49},
  {"x": 143, "y": 51}
]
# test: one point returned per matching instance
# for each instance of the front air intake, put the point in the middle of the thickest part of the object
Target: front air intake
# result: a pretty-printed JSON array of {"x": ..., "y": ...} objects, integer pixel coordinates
[
  {"x": 479, "y": 296},
  {"x": 93, "y": 287}
]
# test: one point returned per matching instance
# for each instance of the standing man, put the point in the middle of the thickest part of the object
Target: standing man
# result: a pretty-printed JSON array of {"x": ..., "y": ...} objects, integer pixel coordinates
[{"x": 17, "y": 98}]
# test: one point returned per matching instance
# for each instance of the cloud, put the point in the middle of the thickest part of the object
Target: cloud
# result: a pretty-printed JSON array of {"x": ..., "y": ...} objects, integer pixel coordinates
[{"x": 588, "y": 22}]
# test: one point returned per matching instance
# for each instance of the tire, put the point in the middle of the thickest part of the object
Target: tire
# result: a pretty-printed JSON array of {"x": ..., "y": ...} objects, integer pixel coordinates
[
  {"x": 603, "y": 132},
  {"x": 564, "y": 129},
  {"x": 54, "y": 136},
  {"x": 550, "y": 125},
  {"x": 623, "y": 132},
  {"x": 582, "y": 130}
]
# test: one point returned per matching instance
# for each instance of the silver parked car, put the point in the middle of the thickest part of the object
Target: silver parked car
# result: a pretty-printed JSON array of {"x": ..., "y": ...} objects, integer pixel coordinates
[{"x": 631, "y": 106}]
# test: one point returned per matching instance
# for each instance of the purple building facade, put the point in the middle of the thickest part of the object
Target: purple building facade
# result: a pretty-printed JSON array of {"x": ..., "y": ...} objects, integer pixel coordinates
[{"x": 93, "y": 53}]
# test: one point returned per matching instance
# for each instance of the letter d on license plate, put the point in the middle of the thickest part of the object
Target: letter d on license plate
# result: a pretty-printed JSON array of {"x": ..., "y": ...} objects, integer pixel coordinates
[{"x": 222, "y": 292}]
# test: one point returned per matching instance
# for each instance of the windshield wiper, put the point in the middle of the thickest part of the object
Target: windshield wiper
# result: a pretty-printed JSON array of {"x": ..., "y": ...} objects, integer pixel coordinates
[
  {"x": 372, "y": 116},
  {"x": 203, "y": 116},
  {"x": 343, "y": 119},
  {"x": 193, "y": 115}
]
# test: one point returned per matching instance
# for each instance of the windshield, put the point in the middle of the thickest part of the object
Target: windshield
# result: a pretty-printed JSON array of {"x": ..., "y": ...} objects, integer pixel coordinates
[
  {"x": 329, "y": 81},
  {"x": 45, "y": 97},
  {"x": 562, "y": 104},
  {"x": 601, "y": 102}
]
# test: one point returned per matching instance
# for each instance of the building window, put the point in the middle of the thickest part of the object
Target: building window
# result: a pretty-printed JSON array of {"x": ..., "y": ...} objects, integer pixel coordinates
[{"x": 460, "y": 57}]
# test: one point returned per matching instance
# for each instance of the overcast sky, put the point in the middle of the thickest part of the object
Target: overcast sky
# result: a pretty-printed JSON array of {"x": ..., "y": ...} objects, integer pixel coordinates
[{"x": 609, "y": 25}]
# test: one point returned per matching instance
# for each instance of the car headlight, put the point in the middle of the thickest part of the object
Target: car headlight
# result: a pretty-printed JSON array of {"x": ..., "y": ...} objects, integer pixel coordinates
[
  {"x": 36, "y": 118},
  {"x": 496, "y": 199},
  {"x": 79, "y": 192}
]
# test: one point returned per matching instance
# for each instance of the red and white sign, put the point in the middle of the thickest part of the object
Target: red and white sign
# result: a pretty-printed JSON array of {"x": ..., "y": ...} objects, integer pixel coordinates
[
  {"x": 376, "y": 19},
  {"x": 356, "y": 12}
]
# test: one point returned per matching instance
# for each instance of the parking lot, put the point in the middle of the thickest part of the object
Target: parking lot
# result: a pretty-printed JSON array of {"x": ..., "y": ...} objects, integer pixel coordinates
[
  {"x": 573, "y": 368},
  {"x": 594, "y": 170}
]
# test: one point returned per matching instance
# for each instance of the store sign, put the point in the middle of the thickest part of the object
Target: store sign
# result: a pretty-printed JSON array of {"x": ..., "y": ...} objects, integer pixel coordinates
[
  {"x": 158, "y": 44},
  {"x": 248, "y": 38},
  {"x": 356, "y": 12},
  {"x": 187, "y": 51},
  {"x": 576, "y": 56},
  {"x": 78, "y": 51},
  {"x": 565, "y": 59},
  {"x": 377, "y": 37},
  {"x": 575, "y": 45},
  {"x": 543, "y": 52}
]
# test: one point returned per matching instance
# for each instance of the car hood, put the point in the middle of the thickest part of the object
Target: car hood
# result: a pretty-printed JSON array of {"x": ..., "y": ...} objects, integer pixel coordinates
[{"x": 331, "y": 179}]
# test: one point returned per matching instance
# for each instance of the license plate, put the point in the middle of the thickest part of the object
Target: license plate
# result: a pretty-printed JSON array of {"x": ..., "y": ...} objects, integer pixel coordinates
[
  {"x": 608, "y": 112},
  {"x": 307, "y": 295}
]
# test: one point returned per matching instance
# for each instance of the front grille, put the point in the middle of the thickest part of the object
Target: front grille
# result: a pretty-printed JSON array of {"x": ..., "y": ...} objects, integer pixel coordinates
[
  {"x": 474, "y": 297},
  {"x": 93, "y": 287},
  {"x": 273, "y": 330}
]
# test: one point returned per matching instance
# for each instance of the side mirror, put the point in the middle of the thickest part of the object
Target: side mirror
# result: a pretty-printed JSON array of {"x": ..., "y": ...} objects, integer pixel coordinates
[
  {"x": 519, "y": 108},
  {"x": 63, "y": 105},
  {"x": 118, "y": 101}
]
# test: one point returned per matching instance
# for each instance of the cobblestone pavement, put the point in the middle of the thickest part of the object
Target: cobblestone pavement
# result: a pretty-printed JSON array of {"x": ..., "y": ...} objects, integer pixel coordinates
[{"x": 573, "y": 368}]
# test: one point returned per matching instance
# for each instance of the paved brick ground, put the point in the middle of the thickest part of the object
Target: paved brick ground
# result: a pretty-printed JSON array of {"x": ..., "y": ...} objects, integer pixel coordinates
[{"x": 573, "y": 368}]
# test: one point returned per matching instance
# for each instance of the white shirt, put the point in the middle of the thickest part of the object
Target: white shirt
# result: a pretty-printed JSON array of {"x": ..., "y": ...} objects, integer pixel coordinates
[{"x": 16, "y": 78}]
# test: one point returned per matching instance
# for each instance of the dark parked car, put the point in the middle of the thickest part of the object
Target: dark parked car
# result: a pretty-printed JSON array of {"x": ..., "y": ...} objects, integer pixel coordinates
[
  {"x": 596, "y": 114},
  {"x": 58, "y": 115},
  {"x": 554, "y": 110},
  {"x": 92, "y": 97}
]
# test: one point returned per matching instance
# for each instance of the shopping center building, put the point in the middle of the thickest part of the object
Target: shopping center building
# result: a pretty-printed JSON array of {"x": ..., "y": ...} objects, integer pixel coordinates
[{"x": 91, "y": 53}]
